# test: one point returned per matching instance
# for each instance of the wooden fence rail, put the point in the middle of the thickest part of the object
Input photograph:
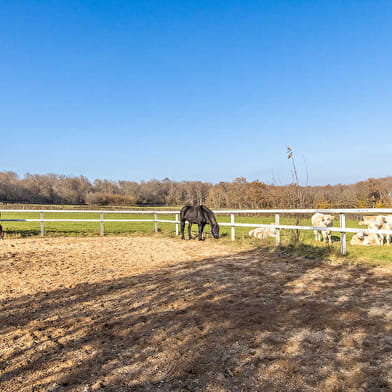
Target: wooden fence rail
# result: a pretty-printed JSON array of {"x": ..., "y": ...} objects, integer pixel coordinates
[{"x": 342, "y": 229}]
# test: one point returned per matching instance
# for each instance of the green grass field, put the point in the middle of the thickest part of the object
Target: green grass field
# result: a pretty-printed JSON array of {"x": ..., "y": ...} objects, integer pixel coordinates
[{"x": 306, "y": 246}]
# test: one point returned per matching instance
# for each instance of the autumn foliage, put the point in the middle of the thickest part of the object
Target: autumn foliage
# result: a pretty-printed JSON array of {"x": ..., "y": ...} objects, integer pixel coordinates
[{"x": 238, "y": 194}]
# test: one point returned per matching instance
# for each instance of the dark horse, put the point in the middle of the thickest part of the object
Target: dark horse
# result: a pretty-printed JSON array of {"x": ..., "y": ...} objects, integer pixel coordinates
[{"x": 200, "y": 215}]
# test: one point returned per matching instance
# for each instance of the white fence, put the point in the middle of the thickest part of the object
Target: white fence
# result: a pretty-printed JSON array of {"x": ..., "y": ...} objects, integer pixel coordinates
[{"x": 342, "y": 229}]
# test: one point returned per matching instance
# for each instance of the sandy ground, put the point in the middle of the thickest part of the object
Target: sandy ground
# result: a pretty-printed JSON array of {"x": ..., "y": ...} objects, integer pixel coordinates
[{"x": 161, "y": 314}]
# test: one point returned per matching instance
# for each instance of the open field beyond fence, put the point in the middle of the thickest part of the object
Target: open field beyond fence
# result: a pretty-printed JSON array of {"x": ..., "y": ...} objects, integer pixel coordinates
[
  {"x": 306, "y": 238},
  {"x": 93, "y": 228}
]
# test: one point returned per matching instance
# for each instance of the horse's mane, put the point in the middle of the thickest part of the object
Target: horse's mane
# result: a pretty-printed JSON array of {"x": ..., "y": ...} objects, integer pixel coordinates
[{"x": 209, "y": 215}]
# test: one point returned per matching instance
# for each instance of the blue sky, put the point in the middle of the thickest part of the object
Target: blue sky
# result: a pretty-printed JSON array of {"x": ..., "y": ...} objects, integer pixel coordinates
[{"x": 197, "y": 90}]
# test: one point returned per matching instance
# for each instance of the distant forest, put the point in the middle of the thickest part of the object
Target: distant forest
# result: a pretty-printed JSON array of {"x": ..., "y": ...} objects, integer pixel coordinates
[{"x": 239, "y": 193}]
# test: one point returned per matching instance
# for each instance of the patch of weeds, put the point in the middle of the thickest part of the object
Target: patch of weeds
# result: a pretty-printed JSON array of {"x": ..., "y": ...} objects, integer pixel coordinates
[{"x": 312, "y": 252}]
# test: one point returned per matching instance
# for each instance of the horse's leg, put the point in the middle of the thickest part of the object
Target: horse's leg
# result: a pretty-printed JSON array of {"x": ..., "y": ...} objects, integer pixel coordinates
[
  {"x": 190, "y": 230},
  {"x": 182, "y": 230},
  {"x": 201, "y": 228}
]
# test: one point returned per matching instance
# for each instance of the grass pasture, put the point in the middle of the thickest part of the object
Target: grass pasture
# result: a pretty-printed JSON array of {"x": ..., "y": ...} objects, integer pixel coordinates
[
  {"x": 306, "y": 245},
  {"x": 24, "y": 229}
]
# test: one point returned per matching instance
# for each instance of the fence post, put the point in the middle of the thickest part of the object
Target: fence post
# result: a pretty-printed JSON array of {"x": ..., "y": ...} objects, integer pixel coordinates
[
  {"x": 277, "y": 222},
  {"x": 232, "y": 227},
  {"x": 101, "y": 224},
  {"x": 41, "y": 224},
  {"x": 155, "y": 223},
  {"x": 343, "y": 245},
  {"x": 177, "y": 228}
]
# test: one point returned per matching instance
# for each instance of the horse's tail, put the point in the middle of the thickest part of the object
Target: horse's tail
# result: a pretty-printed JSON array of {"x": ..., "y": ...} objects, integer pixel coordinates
[{"x": 183, "y": 211}]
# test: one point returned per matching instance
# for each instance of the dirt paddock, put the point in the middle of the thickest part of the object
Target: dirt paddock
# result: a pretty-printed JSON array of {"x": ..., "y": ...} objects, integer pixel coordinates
[{"x": 160, "y": 314}]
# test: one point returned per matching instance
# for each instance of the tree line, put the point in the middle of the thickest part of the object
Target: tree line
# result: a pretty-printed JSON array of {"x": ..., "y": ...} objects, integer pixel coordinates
[{"x": 238, "y": 194}]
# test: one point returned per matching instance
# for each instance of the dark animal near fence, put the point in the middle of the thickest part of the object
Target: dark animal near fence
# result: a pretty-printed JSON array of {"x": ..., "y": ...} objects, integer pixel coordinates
[
  {"x": 1, "y": 233},
  {"x": 201, "y": 216}
]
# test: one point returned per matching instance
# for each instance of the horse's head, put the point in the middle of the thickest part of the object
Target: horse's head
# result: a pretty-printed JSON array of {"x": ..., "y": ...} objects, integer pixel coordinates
[{"x": 215, "y": 231}]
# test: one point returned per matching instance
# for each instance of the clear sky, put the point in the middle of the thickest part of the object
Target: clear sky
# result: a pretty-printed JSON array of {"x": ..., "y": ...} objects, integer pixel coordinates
[{"x": 204, "y": 90}]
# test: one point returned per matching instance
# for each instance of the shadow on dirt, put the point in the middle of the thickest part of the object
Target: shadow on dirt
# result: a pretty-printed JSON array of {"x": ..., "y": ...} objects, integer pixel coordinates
[
  {"x": 22, "y": 233},
  {"x": 255, "y": 321}
]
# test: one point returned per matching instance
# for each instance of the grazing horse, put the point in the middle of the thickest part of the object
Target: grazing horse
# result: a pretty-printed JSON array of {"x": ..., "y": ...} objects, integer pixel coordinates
[{"x": 200, "y": 215}]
